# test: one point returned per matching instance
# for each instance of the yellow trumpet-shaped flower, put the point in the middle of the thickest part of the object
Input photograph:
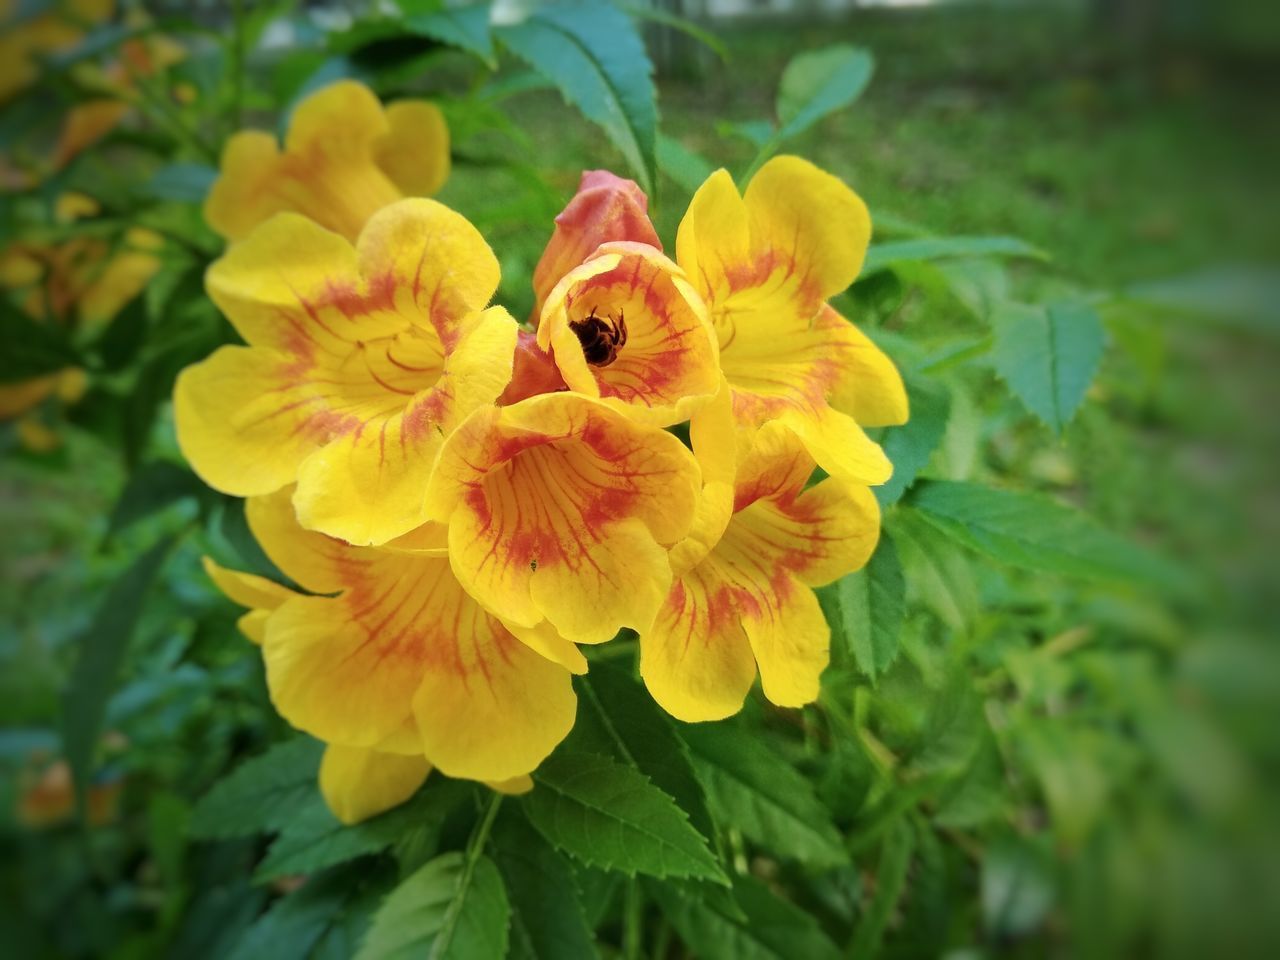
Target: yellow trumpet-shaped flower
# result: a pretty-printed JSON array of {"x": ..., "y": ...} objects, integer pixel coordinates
[
  {"x": 742, "y": 598},
  {"x": 627, "y": 328},
  {"x": 344, "y": 158},
  {"x": 560, "y": 513},
  {"x": 79, "y": 283},
  {"x": 765, "y": 262},
  {"x": 360, "y": 361},
  {"x": 53, "y": 28},
  {"x": 395, "y": 666}
]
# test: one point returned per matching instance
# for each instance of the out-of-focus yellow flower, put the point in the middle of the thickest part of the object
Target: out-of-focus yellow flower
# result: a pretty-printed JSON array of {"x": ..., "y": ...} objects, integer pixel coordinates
[
  {"x": 24, "y": 40},
  {"x": 82, "y": 283},
  {"x": 765, "y": 263},
  {"x": 116, "y": 87},
  {"x": 742, "y": 596},
  {"x": 46, "y": 797},
  {"x": 360, "y": 362},
  {"x": 398, "y": 668},
  {"x": 345, "y": 157},
  {"x": 560, "y": 513}
]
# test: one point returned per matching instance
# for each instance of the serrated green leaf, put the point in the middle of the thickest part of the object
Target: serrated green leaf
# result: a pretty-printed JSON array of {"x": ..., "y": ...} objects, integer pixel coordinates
[
  {"x": 618, "y": 718},
  {"x": 300, "y": 921},
  {"x": 938, "y": 575},
  {"x": 751, "y": 788},
  {"x": 547, "y": 919},
  {"x": 871, "y": 604},
  {"x": 447, "y": 910},
  {"x": 593, "y": 54},
  {"x": 1031, "y": 530},
  {"x": 263, "y": 794},
  {"x": 101, "y": 651},
  {"x": 466, "y": 28},
  {"x": 891, "y": 881},
  {"x": 881, "y": 256},
  {"x": 29, "y": 349},
  {"x": 817, "y": 83},
  {"x": 764, "y": 928},
  {"x": 609, "y": 815},
  {"x": 910, "y": 445},
  {"x": 314, "y": 838},
  {"x": 1048, "y": 355}
]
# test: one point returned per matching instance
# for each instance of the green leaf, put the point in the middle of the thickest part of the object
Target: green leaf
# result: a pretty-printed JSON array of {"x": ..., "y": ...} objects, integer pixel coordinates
[
  {"x": 765, "y": 927},
  {"x": 101, "y": 650},
  {"x": 753, "y": 789},
  {"x": 466, "y": 28},
  {"x": 447, "y": 909},
  {"x": 871, "y": 608},
  {"x": 938, "y": 575},
  {"x": 314, "y": 838},
  {"x": 547, "y": 919},
  {"x": 687, "y": 168},
  {"x": 891, "y": 881},
  {"x": 1017, "y": 886},
  {"x": 182, "y": 182},
  {"x": 29, "y": 349},
  {"x": 150, "y": 489},
  {"x": 881, "y": 256},
  {"x": 1048, "y": 355},
  {"x": 1031, "y": 530},
  {"x": 1239, "y": 295},
  {"x": 618, "y": 718},
  {"x": 818, "y": 83},
  {"x": 593, "y": 54},
  {"x": 610, "y": 816},
  {"x": 911, "y": 445},
  {"x": 263, "y": 794},
  {"x": 298, "y": 922}
]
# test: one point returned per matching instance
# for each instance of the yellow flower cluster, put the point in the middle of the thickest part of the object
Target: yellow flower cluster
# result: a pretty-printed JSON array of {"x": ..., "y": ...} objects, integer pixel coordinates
[{"x": 464, "y": 501}]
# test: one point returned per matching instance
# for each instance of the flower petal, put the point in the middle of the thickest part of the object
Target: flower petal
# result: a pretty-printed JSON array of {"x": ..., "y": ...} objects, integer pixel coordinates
[
  {"x": 358, "y": 784},
  {"x": 840, "y": 446},
  {"x": 665, "y": 363},
  {"x": 559, "y": 508},
  {"x": 414, "y": 152},
  {"x": 317, "y": 563},
  {"x": 605, "y": 208},
  {"x": 490, "y": 708},
  {"x": 246, "y": 589},
  {"x": 867, "y": 385},
  {"x": 696, "y": 660},
  {"x": 369, "y": 486},
  {"x": 327, "y": 170},
  {"x": 244, "y": 421}
]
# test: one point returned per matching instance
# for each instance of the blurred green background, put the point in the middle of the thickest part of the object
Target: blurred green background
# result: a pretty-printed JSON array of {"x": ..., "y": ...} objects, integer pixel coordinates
[{"x": 1138, "y": 146}]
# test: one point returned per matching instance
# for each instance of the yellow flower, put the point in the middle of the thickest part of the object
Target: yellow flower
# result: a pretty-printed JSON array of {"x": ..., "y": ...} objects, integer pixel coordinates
[
  {"x": 617, "y": 317},
  {"x": 360, "y": 362},
  {"x": 24, "y": 40},
  {"x": 344, "y": 158},
  {"x": 765, "y": 263},
  {"x": 396, "y": 667},
  {"x": 742, "y": 596},
  {"x": 560, "y": 514},
  {"x": 82, "y": 283}
]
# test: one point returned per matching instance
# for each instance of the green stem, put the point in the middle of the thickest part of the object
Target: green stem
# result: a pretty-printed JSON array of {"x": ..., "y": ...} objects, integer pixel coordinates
[
  {"x": 633, "y": 913},
  {"x": 237, "y": 65},
  {"x": 480, "y": 836}
]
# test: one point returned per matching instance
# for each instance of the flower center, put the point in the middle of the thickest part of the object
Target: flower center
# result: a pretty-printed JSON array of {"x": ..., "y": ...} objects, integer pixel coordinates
[{"x": 601, "y": 337}]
